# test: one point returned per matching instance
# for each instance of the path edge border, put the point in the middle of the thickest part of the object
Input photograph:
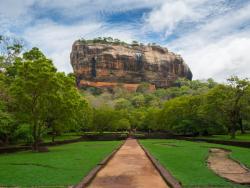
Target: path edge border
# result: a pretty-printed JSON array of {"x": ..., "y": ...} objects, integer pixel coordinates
[
  {"x": 165, "y": 174},
  {"x": 91, "y": 175}
]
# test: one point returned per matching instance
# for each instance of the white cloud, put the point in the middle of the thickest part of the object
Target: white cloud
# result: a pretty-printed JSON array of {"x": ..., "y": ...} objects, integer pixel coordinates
[
  {"x": 16, "y": 13},
  {"x": 88, "y": 7},
  {"x": 215, "y": 43},
  {"x": 56, "y": 40},
  {"x": 220, "y": 59},
  {"x": 13, "y": 9},
  {"x": 167, "y": 17},
  {"x": 218, "y": 48},
  {"x": 81, "y": 9}
]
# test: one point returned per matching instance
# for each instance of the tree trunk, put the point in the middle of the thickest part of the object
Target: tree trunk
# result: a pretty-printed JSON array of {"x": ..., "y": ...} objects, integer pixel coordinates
[
  {"x": 234, "y": 122},
  {"x": 241, "y": 126},
  {"x": 36, "y": 136},
  {"x": 35, "y": 145},
  {"x": 6, "y": 140},
  {"x": 232, "y": 133},
  {"x": 233, "y": 128},
  {"x": 35, "y": 142},
  {"x": 53, "y": 137}
]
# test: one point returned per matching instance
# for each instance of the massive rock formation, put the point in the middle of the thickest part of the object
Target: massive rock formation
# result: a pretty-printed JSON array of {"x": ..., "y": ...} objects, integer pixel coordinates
[{"x": 106, "y": 65}]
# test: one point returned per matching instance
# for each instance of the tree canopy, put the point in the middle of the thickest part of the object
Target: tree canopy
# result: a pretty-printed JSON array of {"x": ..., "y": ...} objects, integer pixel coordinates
[{"x": 40, "y": 97}]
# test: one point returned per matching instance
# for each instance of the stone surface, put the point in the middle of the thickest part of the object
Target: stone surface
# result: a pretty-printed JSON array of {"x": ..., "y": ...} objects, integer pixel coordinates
[
  {"x": 220, "y": 162},
  {"x": 127, "y": 86},
  {"x": 110, "y": 63}
]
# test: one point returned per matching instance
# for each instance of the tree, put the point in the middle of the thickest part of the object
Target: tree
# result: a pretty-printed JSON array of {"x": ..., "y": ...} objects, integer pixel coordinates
[
  {"x": 211, "y": 83},
  {"x": 10, "y": 49},
  {"x": 31, "y": 89},
  {"x": 180, "y": 115},
  {"x": 102, "y": 120},
  {"x": 136, "y": 118},
  {"x": 245, "y": 114},
  {"x": 7, "y": 122},
  {"x": 122, "y": 103},
  {"x": 143, "y": 88},
  {"x": 66, "y": 107},
  {"x": 138, "y": 101},
  {"x": 122, "y": 124},
  {"x": 151, "y": 120},
  {"x": 227, "y": 100},
  {"x": 44, "y": 98},
  {"x": 238, "y": 89},
  {"x": 152, "y": 101},
  {"x": 135, "y": 43},
  {"x": 117, "y": 41}
]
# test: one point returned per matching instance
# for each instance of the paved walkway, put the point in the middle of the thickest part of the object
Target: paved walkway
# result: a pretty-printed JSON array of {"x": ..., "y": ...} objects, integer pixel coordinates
[
  {"x": 129, "y": 168},
  {"x": 220, "y": 162}
]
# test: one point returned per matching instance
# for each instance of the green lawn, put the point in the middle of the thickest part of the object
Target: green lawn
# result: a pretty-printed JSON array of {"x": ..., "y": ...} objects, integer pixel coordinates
[
  {"x": 63, "y": 165},
  {"x": 187, "y": 161},
  {"x": 239, "y": 137}
]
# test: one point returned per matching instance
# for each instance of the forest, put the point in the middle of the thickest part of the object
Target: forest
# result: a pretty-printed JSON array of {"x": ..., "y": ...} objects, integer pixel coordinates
[{"x": 36, "y": 100}]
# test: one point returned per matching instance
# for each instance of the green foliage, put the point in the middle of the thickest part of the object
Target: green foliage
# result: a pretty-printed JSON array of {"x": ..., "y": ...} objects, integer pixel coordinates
[
  {"x": 41, "y": 98},
  {"x": 221, "y": 108},
  {"x": 67, "y": 109},
  {"x": 103, "y": 40},
  {"x": 152, "y": 120},
  {"x": 180, "y": 115},
  {"x": 32, "y": 89},
  {"x": 7, "y": 119},
  {"x": 239, "y": 137},
  {"x": 7, "y": 124},
  {"x": 135, "y": 43},
  {"x": 191, "y": 107},
  {"x": 152, "y": 101},
  {"x": 109, "y": 40},
  {"x": 122, "y": 103},
  {"x": 229, "y": 104},
  {"x": 10, "y": 49},
  {"x": 108, "y": 119},
  {"x": 102, "y": 120},
  {"x": 143, "y": 88},
  {"x": 136, "y": 118},
  {"x": 122, "y": 124},
  {"x": 23, "y": 133},
  {"x": 138, "y": 101}
]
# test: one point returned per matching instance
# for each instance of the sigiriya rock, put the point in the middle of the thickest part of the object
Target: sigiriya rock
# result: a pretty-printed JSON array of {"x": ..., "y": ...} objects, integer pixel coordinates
[{"x": 107, "y": 64}]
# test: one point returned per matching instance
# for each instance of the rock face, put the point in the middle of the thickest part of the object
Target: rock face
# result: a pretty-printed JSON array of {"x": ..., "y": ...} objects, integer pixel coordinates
[{"x": 112, "y": 64}]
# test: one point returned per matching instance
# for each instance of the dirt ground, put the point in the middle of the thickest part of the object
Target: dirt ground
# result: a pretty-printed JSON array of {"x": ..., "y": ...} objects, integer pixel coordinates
[
  {"x": 222, "y": 165},
  {"x": 129, "y": 168}
]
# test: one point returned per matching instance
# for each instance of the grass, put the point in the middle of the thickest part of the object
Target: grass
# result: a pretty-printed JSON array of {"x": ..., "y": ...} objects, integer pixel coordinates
[
  {"x": 187, "y": 161},
  {"x": 239, "y": 137},
  {"x": 63, "y": 166}
]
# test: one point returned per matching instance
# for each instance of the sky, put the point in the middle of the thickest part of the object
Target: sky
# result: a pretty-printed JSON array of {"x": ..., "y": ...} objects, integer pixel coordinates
[{"x": 213, "y": 37}]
